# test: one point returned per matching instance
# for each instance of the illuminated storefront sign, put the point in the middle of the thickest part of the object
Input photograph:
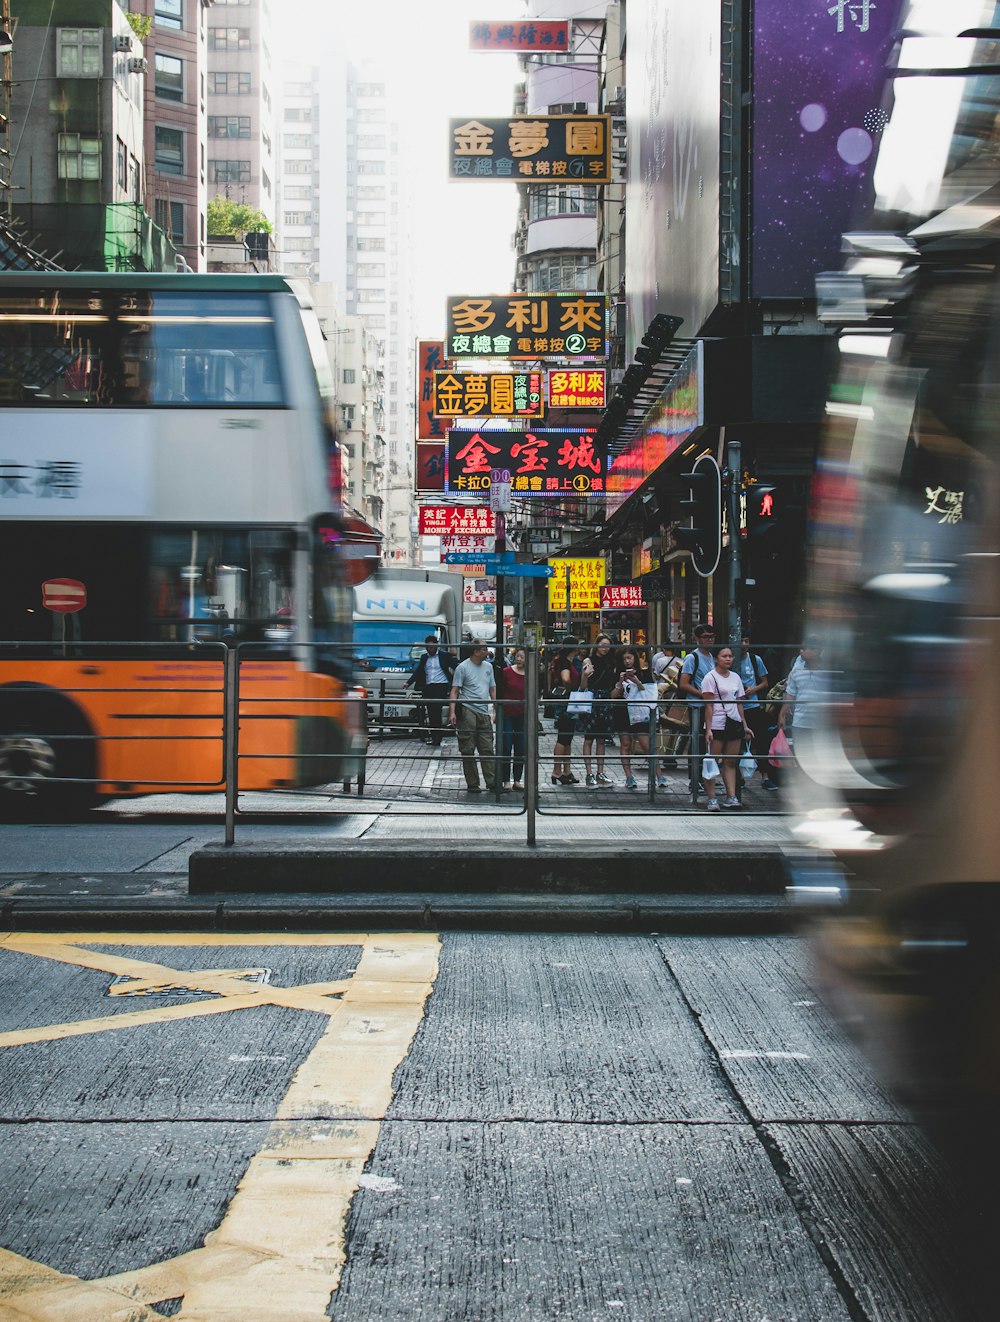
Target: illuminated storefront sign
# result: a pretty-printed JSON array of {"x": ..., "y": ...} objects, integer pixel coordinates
[
  {"x": 621, "y": 598},
  {"x": 430, "y": 359},
  {"x": 528, "y": 326},
  {"x": 490, "y": 394},
  {"x": 532, "y": 148},
  {"x": 460, "y": 520},
  {"x": 667, "y": 425},
  {"x": 541, "y": 462},
  {"x": 522, "y": 37},
  {"x": 578, "y": 390},
  {"x": 585, "y": 579},
  {"x": 429, "y": 468}
]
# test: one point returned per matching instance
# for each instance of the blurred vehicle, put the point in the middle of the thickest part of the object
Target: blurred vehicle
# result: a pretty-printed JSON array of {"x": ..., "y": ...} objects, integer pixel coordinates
[
  {"x": 393, "y": 613},
  {"x": 902, "y": 776},
  {"x": 170, "y": 484}
]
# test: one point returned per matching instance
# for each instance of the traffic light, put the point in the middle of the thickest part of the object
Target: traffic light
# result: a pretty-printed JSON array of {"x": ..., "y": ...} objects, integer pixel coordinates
[
  {"x": 762, "y": 509},
  {"x": 703, "y": 536}
]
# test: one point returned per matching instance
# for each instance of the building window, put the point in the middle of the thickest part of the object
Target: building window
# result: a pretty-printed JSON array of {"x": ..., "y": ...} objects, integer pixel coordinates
[
  {"x": 79, "y": 156},
  {"x": 371, "y": 270},
  {"x": 265, "y": 181},
  {"x": 266, "y": 141},
  {"x": 372, "y": 115},
  {"x": 169, "y": 78},
  {"x": 121, "y": 165},
  {"x": 135, "y": 179},
  {"x": 265, "y": 95},
  {"x": 371, "y": 89},
  {"x": 298, "y": 193},
  {"x": 371, "y": 295},
  {"x": 298, "y": 217},
  {"x": 371, "y": 217},
  {"x": 561, "y": 200},
  {"x": 298, "y": 167},
  {"x": 170, "y": 14},
  {"x": 80, "y": 53},
  {"x": 297, "y": 140},
  {"x": 295, "y": 243},
  {"x": 349, "y": 376},
  {"x": 228, "y": 38},
  {"x": 370, "y": 245},
  {"x": 231, "y": 84},
  {"x": 170, "y": 218},
  {"x": 371, "y": 167},
  {"x": 169, "y": 158},
  {"x": 296, "y": 114},
  {"x": 372, "y": 142},
  {"x": 229, "y": 172},
  {"x": 557, "y": 272},
  {"x": 229, "y": 126}
]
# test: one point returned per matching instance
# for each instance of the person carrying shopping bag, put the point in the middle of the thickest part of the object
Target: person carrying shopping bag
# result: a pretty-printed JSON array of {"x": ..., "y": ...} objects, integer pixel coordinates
[{"x": 725, "y": 726}]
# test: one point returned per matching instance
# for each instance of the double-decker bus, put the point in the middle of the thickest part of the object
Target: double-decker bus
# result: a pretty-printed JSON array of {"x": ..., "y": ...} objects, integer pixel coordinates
[{"x": 169, "y": 488}]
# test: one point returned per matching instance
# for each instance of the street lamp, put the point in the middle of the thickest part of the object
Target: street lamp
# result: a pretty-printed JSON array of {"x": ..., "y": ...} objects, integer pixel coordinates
[{"x": 6, "y": 42}]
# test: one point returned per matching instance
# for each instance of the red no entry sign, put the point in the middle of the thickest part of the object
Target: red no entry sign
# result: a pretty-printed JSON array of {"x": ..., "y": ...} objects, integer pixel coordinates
[{"x": 64, "y": 595}]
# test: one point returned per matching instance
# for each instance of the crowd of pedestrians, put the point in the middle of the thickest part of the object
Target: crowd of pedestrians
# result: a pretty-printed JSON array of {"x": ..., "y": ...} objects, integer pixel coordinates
[{"x": 712, "y": 712}]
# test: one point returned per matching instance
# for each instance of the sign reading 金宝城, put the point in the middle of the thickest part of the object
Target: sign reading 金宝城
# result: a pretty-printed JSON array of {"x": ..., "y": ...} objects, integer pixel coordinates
[
  {"x": 528, "y": 326},
  {"x": 532, "y": 148},
  {"x": 542, "y": 462},
  {"x": 467, "y": 520},
  {"x": 521, "y": 37},
  {"x": 578, "y": 389},
  {"x": 626, "y": 597},
  {"x": 430, "y": 359},
  {"x": 585, "y": 579},
  {"x": 495, "y": 394}
]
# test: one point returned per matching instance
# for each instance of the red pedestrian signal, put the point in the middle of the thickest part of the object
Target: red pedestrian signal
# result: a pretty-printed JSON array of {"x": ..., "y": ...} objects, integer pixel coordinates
[{"x": 762, "y": 513}]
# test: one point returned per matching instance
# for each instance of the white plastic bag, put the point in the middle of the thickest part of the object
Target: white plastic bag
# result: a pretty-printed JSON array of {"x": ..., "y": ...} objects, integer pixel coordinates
[
  {"x": 580, "y": 703},
  {"x": 709, "y": 768},
  {"x": 748, "y": 763},
  {"x": 646, "y": 696}
]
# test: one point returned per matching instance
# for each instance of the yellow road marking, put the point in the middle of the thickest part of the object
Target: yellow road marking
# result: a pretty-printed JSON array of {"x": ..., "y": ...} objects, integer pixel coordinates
[{"x": 278, "y": 1252}]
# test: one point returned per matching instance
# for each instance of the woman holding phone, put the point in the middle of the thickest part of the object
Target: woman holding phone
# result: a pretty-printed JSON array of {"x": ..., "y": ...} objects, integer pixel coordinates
[
  {"x": 633, "y": 673},
  {"x": 725, "y": 725}
]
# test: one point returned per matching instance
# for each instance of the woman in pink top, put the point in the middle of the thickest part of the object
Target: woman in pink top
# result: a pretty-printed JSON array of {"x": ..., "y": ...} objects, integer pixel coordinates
[{"x": 725, "y": 725}]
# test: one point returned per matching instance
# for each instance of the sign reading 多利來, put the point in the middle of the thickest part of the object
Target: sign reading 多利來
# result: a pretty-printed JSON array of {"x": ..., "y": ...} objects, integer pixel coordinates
[
  {"x": 493, "y": 394},
  {"x": 528, "y": 326},
  {"x": 585, "y": 578},
  {"x": 542, "y": 462},
  {"x": 532, "y": 148},
  {"x": 578, "y": 389}
]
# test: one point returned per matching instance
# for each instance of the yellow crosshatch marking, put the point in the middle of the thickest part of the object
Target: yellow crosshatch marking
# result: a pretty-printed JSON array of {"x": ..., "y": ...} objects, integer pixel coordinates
[{"x": 278, "y": 1252}]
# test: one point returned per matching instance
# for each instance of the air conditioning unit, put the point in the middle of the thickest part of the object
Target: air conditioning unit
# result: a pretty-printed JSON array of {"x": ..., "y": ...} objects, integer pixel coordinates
[
  {"x": 138, "y": 64},
  {"x": 123, "y": 43}
]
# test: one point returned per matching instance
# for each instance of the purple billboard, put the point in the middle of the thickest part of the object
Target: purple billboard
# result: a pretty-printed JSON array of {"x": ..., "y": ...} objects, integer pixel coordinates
[{"x": 819, "y": 111}]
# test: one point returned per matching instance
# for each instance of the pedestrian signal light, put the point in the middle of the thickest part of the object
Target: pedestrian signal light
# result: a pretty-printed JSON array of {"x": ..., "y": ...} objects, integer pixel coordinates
[
  {"x": 703, "y": 505},
  {"x": 762, "y": 510}
]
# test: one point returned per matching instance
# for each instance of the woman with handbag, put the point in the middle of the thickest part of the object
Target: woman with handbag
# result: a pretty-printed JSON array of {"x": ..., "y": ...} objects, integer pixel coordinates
[
  {"x": 564, "y": 677},
  {"x": 636, "y": 694},
  {"x": 598, "y": 675},
  {"x": 725, "y": 726}
]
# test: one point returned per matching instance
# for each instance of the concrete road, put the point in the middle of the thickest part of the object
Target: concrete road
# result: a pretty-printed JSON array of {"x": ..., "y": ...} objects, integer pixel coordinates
[{"x": 471, "y": 1127}]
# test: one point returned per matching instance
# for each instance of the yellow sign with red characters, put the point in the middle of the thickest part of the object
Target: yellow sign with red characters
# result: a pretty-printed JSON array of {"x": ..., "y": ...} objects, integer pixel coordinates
[{"x": 585, "y": 579}]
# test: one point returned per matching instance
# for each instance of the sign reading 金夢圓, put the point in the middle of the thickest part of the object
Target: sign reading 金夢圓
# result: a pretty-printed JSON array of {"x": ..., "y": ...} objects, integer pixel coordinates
[
  {"x": 578, "y": 389},
  {"x": 528, "y": 326},
  {"x": 493, "y": 394},
  {"x": 532, "y": 148},
  {"x": 465, "y": 520},
  {"x": 542, "y": 462},
  {"x": 585, "y": 578},
  {"x": 521, "y": 37}
]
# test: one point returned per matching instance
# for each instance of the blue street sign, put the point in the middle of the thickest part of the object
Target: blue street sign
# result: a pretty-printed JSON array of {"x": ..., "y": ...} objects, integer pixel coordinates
[
  {"x": 509, "y": 570},
  {"x": 477, "y": 557}
]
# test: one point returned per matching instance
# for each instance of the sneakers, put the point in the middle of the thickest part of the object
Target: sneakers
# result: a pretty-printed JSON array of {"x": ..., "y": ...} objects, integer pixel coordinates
[
  {"x": 732, "y": 802},
  {"x": 591, "y": 782},
  {"x": 712, "y": 805},
  {"x": 768, "y": 784},
  {"x": 518, "y": 787},
  {"x": 662, "y": 782},
  {"x": 631, "y": 783},
  {"x": 602, "y": 779}
]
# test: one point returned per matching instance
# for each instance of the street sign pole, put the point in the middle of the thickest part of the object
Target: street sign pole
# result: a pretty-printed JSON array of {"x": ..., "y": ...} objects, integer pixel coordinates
[{"x": 734, "y": 468}]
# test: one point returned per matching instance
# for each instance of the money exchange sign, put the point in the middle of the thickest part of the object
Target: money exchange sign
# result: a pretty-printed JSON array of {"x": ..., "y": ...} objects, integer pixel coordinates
[
  {"x": 585, "y": 579},
  {"x": 528, "y": 326},
  {"x": 467, "y": 520},
  {"x": 578, "y": 389},
  {"x": 542, "y": 462},
  {"x": 495, "y": 394},
  {"x": 532, "y": 148}
]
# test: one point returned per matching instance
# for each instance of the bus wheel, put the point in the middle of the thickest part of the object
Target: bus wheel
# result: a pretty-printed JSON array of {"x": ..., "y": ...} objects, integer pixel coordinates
[{"x": 46, "y": 746}]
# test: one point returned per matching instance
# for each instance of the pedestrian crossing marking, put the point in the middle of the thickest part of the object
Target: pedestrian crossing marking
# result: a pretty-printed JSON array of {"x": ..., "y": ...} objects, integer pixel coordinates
[{"x": 277, "y": 1254}]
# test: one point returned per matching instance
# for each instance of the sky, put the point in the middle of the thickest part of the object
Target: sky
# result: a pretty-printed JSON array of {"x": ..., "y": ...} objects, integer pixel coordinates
[{"x": 463, "y": 228}]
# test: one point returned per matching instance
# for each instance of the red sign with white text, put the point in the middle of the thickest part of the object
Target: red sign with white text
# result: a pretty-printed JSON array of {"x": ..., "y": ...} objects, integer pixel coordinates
[
  {"x": 621, "y": 598},
  {"x": 430, "y": 466},
  {"x": 65, "y": 596},
  {"x": 468, "y": 520}
]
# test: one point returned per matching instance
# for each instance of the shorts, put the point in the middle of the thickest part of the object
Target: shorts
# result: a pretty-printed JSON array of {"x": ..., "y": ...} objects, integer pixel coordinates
[{"x": 730, "y": 731}]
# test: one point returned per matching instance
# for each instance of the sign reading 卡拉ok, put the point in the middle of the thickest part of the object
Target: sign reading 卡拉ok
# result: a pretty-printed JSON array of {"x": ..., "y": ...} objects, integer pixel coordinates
[
  {"x": 528, "y": 326},
  {"x": 537, "y": 149},
  {"x": 542, "y": 462}
]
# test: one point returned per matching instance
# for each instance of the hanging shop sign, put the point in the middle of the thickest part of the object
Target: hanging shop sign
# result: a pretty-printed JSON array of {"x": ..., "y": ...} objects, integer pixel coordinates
[
  {"x": 463, "y": 520},
  {"x": 490, "y": 394},
  {"x": 430, "y": 359},
  {"x": 528, "y": 326},
  {"x": 621, "y": 598},
  {"x": 429, "y": 466},
  {"x": 578, "y": 389},
  {"x": 532, "y": 148},
  {"x": 542, "y": 462},
  {"x": 542, "y": 38},
  {"x": 585, "y": 579}
]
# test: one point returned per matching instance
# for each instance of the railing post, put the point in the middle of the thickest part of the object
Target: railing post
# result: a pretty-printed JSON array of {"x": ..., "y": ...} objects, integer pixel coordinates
[
  {"x": 231, "y": 734},
  {"x": 652, "y": 761},
  {"x": 531, "y": 744},
  {"x": 696, "y": 710}
]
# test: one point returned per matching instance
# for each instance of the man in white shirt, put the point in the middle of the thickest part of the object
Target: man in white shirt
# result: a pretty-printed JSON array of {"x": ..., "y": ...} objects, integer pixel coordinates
[
  {"x": 432, "y": 679},
  {"x": 475, "y": 688}
]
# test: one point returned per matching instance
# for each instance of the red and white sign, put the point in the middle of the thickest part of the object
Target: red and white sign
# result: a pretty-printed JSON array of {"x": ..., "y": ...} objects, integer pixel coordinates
[
  {"x": 65, "y": 596},
  {"x": 453, "y": 541},
  {"x": 621, "y": 598},
  {"x": 477, "y": 593},
  {"x": 471, "y": 520}
]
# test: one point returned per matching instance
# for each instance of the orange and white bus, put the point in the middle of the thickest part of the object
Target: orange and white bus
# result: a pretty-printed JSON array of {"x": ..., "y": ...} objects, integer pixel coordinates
[{"x": 169, "y": 486}]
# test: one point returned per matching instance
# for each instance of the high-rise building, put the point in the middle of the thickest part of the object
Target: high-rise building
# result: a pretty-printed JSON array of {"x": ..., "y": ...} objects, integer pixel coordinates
[{"x": 298, "y": 172}]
